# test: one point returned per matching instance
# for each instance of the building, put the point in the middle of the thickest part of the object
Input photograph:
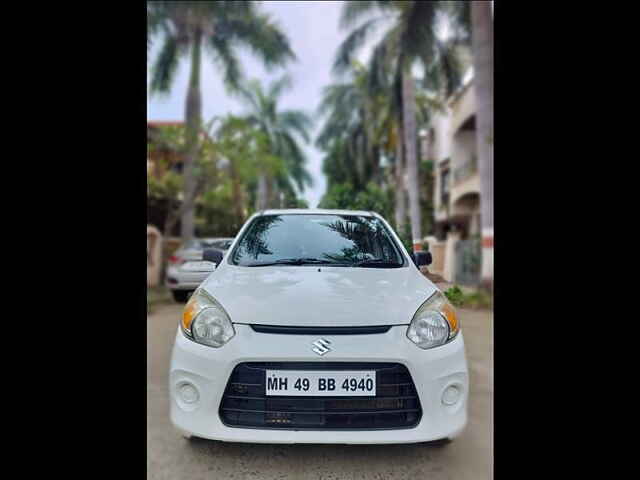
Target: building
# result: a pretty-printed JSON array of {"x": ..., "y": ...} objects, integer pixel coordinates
[
  {"x": 456, "y": 244},
  {"x": 161, "y": 158}
]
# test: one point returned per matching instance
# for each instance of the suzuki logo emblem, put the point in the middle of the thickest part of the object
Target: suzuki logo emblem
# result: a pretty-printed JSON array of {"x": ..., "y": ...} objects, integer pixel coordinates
[{"x": 321, "y": 346}]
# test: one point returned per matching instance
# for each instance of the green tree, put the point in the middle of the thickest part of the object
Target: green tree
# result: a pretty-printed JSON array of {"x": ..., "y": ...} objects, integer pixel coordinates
[
  {"x": 409, "y": 39},
  {"x": 348, "y": 134},
  {"x": 165, "y": 184},
  {"x": 344, "y": 196},
  {"x": 283, "y": 130},
  {"x": 247, "y": 152},
  {"x": 218, "y": 28},
  {"x": 363, "y": 122}
]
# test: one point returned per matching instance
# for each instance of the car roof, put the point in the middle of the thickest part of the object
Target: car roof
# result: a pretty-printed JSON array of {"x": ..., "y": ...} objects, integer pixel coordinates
[{"x": 318, "y": 211}]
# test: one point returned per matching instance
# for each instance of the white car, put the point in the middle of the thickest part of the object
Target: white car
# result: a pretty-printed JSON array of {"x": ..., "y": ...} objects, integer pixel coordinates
[
  {"x": 183, "y": 276},
  {"x": 318, "y": 327}
]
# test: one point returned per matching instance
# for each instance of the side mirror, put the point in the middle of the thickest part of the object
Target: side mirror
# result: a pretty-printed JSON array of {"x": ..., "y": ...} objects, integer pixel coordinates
[
  {"x": 422, "y": 258},
  {"x": 212, "y": 255}
]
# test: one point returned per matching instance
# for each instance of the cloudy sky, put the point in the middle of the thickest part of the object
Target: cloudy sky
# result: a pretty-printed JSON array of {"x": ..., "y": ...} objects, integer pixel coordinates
[{"x": 312, "y": 28}]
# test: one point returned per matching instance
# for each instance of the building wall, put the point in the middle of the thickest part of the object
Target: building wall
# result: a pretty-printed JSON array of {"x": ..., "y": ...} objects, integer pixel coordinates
[
  {"x": 455, "y": 148},
  {"x": 463, "y": 106},
  {"x": 441, "y": 149},
  {"x": 154, "y": 256}
]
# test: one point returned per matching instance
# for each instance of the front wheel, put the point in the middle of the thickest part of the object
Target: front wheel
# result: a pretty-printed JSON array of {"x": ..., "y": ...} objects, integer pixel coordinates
[{"x": 180, "y": 296}]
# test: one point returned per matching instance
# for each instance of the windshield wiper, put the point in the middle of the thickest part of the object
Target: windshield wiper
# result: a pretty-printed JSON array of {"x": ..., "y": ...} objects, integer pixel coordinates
[
  {"x": 295, "y": 261},
  {"x": 379, "y": 262}
]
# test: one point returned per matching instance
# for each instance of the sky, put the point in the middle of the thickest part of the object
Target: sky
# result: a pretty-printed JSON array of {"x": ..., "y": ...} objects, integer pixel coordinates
[{"x": 313, "y": 31}]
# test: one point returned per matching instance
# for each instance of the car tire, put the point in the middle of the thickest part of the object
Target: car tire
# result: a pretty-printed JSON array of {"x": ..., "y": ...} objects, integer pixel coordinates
[
  {"x": 192, "y": 439},
  {"x": 180, "y": 296},
  {"x": 439, "y": 443}
]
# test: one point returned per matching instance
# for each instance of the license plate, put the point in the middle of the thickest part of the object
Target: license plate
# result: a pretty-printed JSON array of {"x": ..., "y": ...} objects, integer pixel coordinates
[{"x": 299, "y": 383}]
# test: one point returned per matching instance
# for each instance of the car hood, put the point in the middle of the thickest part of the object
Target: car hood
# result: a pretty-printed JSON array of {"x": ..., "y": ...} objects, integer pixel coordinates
[{"x": 319, "y": 296}]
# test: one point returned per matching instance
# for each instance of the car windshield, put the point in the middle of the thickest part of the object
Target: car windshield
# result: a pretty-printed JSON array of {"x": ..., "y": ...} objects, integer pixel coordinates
[{"x": 306, "y": 239}]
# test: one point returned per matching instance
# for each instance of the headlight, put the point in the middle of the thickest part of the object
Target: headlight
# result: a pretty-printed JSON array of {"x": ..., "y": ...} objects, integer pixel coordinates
[
  {"x": 434, "y": 324},
  {"x": 205, "y": 321}
]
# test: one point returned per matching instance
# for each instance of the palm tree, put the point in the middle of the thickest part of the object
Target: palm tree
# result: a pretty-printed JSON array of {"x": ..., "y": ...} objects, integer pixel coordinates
[
  {"x": 363, "y": 118},
  {"x": 347, "y": 133},
  {"x": 409, "y": 38},
  {"x": 282, "y": 129},
  {"x": 477, "y": 17},
  {"x": 482, "y": 41},
  {"x": 219, "y": 28},
  {"x": 233, "y": 141}
]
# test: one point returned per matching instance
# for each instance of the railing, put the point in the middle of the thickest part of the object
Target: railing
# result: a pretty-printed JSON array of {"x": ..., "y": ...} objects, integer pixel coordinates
[
  {"x": 465, "y": 171},
  {"x": 468, "y": 261}
]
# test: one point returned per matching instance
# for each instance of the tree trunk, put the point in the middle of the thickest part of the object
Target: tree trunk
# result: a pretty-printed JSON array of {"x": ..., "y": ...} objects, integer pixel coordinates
[
  {"x": 236, "y": 189},
  {"x": 261, "y": 196},
  {"x": 482, "y": 43},
  {"x": 401, "y": 194},
  {"x": 409, "y": 121},
  {"x": 193, "y": 116},
  {"x": 271, "y": 192}
]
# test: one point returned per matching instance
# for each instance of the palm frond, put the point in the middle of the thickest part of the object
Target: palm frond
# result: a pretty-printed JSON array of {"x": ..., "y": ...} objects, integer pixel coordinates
[
  {"x": 295, "y": 160},
  {"x": 280, "y": 86},
  {"x": 227, "y": 59},
  {"x": 418, "y": 35},
  {"x": 263, "y": 37},
  {"x": 459, "y": 14},
  {"x": 165, "y": 66},
  {"x": 298, "y": 121},
  {"x": 353, "y": 11},
  {"x": 351, "y": 45}
]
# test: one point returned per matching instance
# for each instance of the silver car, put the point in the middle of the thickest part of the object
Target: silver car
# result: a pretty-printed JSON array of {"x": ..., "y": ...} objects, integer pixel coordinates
[{"x": 182, "y": 278}]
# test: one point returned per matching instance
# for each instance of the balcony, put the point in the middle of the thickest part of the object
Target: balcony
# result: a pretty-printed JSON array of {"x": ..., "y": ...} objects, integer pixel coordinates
[
  {"x": 465, "y": 171},
  {"x": 465, "y": 181}
]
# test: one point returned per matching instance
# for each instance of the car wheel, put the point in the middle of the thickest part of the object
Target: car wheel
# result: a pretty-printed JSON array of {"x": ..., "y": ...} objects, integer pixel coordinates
[{"x": 180, "y": 296}]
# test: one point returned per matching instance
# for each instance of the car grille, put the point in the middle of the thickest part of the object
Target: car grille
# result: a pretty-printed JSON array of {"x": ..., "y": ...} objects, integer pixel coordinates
[{"x": 245, "y": 404}]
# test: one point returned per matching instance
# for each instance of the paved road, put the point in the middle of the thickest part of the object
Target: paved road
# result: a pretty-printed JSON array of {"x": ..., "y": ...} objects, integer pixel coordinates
[{"x": 169, "y": 456}]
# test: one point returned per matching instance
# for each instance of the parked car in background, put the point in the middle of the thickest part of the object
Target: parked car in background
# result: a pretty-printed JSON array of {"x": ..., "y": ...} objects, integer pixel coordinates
[
  {"x": 181, "y": 278},
  {"x": 318, "y": 327}
]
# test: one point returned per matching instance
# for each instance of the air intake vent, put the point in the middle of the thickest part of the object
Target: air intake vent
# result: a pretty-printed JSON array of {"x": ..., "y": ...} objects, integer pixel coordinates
[{"x": 395, "y": 406}]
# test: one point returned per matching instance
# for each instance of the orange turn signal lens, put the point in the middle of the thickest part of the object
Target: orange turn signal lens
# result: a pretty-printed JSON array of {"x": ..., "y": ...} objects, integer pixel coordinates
[
  {"x": 450, "y": 314},
  {"x": 191, "y": 310}
]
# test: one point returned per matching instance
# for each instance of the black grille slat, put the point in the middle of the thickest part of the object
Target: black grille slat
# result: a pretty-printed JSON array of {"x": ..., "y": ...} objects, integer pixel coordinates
[
  {"x": 401, "y": 397},
  {"x": 285, "y": 330},
  {"x": 396, "y": 404},
  {"x": 366, "y": 412}
]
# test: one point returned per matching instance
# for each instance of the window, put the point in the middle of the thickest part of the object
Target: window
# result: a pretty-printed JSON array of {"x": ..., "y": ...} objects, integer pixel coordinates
[
  {"x": 445, "y": 186},
  {"x": 339, "y": 240}
]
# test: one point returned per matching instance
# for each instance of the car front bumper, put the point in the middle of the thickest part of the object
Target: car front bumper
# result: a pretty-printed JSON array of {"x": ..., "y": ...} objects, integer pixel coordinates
[{"x": 208, "y": 369}]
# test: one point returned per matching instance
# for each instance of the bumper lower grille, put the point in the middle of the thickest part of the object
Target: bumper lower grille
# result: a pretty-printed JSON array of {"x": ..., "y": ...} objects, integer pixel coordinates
[{"x": 396, "y": 404}]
